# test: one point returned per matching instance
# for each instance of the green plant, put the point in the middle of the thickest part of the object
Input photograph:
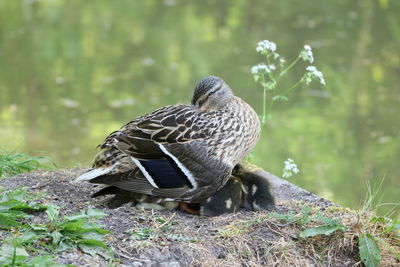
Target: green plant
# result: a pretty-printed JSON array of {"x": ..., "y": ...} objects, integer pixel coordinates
[
  {"x": 301, "y": 218},
  {"x": 13, "y": 253},
  {"x": 372, "y": 233},
  {"x": 328, "y": 227},
  {"x": 370, "y": 253},
  {"x": 14, "y": 207},
  {"x": 12, "y": 162},
  {"x": 55, "y": 234},
  {"x": 307, "y": 215},
  {"x": 159, "y": 229},
  {"x": 269, "y": 75},
  {"x": 375, "y": 229},
  {"x": 79, "y": 230},
  {"x": 235, "y": 228}
]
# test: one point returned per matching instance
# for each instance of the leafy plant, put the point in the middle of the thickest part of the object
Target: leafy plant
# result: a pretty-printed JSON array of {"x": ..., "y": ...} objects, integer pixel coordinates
[
  {"x": 12, "y": 253},
  {"x": 144, "y": 233},
  {"x": 60, "y": 234},
  {"x": 306, "y": 216},
  {"x": 160, "y": 229},
  {"x": 370, "y": 253},
  {"x": 14, "y": 208},
  {"x": 235, "y": 228},
  {"x": 12, "y": 162},
  {"x": 301, "y": 218},
  {"x": 372, "y": 232},
  {"x": 56, "y": 234},
  {"x": 328, "y": 227},
  {"x": 375, "y": 228}
]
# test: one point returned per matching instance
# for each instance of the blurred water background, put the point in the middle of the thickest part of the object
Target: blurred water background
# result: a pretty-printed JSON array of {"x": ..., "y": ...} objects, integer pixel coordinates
[{"x": 73, "y": 71}]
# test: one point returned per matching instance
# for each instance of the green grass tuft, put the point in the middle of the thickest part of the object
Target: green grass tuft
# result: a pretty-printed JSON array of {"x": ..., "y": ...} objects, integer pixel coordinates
[{"x": 12, "y": 162}]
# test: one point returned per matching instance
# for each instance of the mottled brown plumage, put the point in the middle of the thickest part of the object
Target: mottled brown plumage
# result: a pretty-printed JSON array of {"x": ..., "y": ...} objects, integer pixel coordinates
[{"x": 180, "y": 152}]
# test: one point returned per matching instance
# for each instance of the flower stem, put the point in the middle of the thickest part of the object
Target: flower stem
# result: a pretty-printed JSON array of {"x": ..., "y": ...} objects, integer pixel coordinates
[
  {"x": 264, "y": 105},
  {"x": 291, "y": 88},
  {"x": 289, "y": 67},
  {"x": 270, "y": 74}
]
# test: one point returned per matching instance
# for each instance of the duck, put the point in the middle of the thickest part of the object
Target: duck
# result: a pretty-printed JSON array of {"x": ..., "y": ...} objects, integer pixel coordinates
[
  {"x": 257, "y": 190},
  {"x": 183, "y": 152}
]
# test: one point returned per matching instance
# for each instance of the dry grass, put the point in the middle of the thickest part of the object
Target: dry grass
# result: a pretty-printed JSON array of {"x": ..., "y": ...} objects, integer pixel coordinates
[{"x": 261, "y": 240}]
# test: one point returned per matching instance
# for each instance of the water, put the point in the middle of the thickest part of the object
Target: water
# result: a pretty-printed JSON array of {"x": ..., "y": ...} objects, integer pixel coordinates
[{"x": 73, "y": 71}]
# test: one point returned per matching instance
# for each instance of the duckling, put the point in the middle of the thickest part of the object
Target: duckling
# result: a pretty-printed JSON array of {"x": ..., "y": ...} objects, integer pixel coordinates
[
  {"x": 256, "y": 187},
  {"x": 180, "y": 152},
  {"x": 227, "y": 200}
]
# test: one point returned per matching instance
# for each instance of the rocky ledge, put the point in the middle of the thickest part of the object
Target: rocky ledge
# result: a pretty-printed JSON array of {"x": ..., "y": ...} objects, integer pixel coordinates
[{"x": 174, "y": 238}]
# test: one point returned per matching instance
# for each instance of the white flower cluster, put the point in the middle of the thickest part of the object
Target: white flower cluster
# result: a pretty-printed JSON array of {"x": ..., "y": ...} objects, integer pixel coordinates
[
  {"x": 265, "y": 46},
  {"x": 307, "y": 54},
  {"x": 262, "y": 68},
  {"x": 316, "y": 74},
  {"x": 290, "y": 168}
]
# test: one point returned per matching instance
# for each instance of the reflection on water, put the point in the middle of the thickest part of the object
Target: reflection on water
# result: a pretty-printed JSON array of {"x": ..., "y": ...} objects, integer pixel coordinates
[{"x": 72, "y": 71}]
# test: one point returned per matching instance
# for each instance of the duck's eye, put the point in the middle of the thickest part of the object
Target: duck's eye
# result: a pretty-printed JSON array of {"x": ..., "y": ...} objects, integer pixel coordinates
[{"x": 210, "y": 93}]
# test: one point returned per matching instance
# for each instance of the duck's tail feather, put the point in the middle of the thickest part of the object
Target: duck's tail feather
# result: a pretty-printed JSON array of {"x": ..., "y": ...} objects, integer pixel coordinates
[{"x": 93, "y": 173}]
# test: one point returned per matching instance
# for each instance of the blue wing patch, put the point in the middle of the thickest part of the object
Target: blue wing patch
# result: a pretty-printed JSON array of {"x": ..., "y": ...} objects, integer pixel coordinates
[{"x": 165, "y": 173}]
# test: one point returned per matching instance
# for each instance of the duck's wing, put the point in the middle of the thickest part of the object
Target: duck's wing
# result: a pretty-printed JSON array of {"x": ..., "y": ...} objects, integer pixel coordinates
[
  {"x": 172, "y": 150},
  {"x": 169, "y": 154}
]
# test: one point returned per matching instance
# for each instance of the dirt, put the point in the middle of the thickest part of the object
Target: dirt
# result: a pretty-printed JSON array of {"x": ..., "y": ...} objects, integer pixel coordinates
[{"x": 174, "y": 238}]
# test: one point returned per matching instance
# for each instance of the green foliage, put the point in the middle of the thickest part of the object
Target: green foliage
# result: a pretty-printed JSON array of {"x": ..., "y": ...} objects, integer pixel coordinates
[
  {"x": 14, "y": 207},
  {"x": 306, "y": 216},
  {"x": 391, "y": 225},
  {"x": 301, "y": 218},
  {"x": 144, "y": 233},
  {"x": 13, "y": 254},
  {"x": 160, "y": 229},
  {"x": 370, "y": 253},
  {"x": 370, "y": 229},
  {"x": 329, "y": 226},
  {"x": 237, "y": 228},
  {"x": 12, "y": 162},
  {"x": 326, "y": 229},
  {"x": 57, "y": 233},
  {"x": 60, "y": 234}
]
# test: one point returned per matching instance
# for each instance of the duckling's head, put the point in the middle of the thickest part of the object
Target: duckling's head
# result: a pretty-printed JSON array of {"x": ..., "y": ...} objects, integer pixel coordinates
[{"x": 211, "y": 93}]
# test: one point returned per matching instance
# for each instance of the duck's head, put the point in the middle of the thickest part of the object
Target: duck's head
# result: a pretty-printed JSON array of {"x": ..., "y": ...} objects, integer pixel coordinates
[{"x": 211, "y": 93}]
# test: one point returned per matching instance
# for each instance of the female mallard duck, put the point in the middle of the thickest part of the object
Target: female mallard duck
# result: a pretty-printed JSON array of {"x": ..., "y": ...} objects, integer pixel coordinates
[{"x": 180, "y": 152}]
